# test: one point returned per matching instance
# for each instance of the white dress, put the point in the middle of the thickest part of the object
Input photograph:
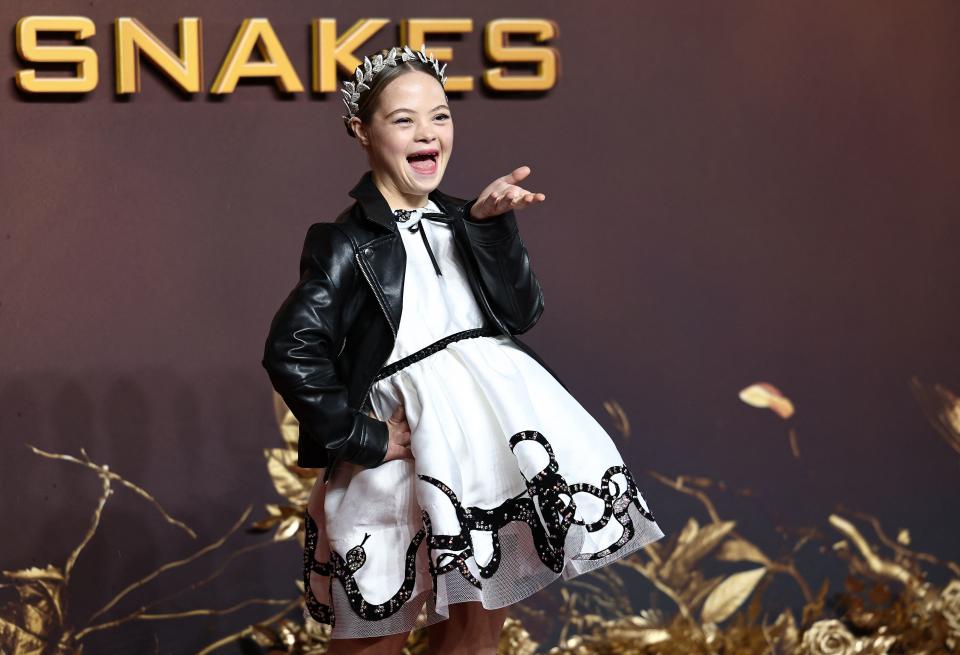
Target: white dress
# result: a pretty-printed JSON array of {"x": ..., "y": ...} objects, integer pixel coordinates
[{"x": 483, "y": 512}]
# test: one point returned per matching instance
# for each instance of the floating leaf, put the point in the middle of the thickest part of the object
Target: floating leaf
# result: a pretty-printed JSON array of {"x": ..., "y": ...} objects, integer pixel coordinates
[{"x": 765, "y": 395}]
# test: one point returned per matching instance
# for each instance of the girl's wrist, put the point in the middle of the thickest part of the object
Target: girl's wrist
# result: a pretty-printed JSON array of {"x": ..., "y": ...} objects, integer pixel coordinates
[{"x": 492, "y": 229}]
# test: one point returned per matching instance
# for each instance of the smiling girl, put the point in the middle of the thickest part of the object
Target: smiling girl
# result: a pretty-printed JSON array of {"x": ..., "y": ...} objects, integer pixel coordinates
[{"x": 460, "y": 475}]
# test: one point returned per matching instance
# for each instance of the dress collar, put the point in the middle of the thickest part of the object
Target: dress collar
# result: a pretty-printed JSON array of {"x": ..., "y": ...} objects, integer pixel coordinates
[
  {"x": 376, "y": 208},
  {"x": 415, "y": 215}
]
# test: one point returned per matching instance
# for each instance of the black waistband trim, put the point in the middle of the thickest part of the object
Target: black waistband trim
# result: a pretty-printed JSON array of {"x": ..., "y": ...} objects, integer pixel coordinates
[{"x": 434, "y": 347}]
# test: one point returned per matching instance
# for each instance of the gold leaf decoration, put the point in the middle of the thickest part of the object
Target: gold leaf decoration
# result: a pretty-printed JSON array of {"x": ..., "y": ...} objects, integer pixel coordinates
[
  {"x": 288, "y": 484},
  {"x": 286, "y": 421},
  {"x": 765, "y": 395},
  {"x": 620, "y": 421},
  {"x": 942, "y": 409},
  {"x": 903, "y": 537},
  {"x": 730, "y": 594},
  {"x": 741, "y": 550},
  {"x": 888, "y": 602}
]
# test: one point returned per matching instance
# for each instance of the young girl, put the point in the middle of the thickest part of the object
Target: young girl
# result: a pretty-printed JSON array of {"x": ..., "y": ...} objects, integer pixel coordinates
[{"x": 459, "y": 473}]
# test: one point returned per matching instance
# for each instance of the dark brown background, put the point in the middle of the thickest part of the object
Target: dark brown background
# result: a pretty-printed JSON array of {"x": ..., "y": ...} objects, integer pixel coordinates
[{"x": 736, "y": 192}]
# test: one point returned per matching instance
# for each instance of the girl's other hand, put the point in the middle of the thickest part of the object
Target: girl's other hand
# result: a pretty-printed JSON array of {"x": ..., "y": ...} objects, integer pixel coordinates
[
  {"x": 503, "y": 194},
  {"x": 399, "y": 435}
]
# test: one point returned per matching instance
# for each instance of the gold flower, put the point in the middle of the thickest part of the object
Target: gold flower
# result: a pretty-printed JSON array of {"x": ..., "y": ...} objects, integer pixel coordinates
[
  {"x": 949, "y": 606},
  {"x": 828, "y": 637}
]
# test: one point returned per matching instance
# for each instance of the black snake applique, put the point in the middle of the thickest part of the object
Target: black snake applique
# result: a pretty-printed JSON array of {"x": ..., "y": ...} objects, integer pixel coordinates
[{"x": 547, "y": 492}]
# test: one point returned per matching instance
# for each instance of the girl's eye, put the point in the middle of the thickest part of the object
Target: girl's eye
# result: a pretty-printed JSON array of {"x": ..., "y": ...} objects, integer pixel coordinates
[{"x": 444, "y": 116}]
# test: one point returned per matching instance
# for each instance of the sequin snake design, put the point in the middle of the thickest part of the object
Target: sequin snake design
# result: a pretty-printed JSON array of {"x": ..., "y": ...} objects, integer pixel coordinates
[{"x": 547, "y": 490}]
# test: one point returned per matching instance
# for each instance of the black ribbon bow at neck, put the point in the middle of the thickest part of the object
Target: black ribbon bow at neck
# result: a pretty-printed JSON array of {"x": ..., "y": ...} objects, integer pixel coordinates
[{"x": 403, "y": 215}]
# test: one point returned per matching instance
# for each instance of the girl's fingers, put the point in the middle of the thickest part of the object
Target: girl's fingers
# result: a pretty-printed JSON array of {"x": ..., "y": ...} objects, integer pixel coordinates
[
  {"x": 535, "y": 198},
  {"x": 530, "y": 199},
  {"x": 525, "y": 198},
  {"x": 510, "y": 196},
  {"x": 519, "y": 196},
  {"x": 398, "y": 416},
  {"x": 516, "y": 174},
  {"x": 496, "y": 203}
]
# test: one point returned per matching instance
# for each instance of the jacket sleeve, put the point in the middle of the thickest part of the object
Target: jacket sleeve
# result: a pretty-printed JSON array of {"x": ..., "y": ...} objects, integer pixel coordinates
[
  {"x": 505, "y": 270},
  {"x": 305, "y": 338}
]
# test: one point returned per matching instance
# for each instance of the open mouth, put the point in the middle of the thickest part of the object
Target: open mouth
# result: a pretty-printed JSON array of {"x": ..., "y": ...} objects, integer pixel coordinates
[{"x": 424, "y": 162}]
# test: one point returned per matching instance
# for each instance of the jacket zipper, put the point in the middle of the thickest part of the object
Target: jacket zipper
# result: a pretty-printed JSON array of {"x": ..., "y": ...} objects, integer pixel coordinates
[
  {"x": 376, "y": 294},
  {"x": 386, "y": 315}
]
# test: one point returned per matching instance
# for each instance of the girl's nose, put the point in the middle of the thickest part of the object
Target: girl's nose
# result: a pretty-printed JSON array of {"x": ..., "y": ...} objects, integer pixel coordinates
[{"x": 427, "y": 134}]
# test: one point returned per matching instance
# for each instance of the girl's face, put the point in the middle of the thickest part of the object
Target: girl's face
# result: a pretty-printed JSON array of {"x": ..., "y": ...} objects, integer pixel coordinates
[{"x": 412, "y": 118}]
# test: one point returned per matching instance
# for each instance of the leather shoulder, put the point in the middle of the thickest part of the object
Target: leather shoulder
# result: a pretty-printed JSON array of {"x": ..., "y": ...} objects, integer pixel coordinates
[
  {"x": 325, "y": 245},
  {"x": 353, "y": 224},
  {"x": 451, "y": 201}
]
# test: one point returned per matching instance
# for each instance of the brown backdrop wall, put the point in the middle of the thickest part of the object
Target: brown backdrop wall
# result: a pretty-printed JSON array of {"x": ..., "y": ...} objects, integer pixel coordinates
[{"x": 736, "y": 192}]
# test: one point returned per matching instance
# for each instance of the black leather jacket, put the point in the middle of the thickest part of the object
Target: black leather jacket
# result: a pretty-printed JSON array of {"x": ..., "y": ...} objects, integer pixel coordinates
[{"x": 337, "y": 327}]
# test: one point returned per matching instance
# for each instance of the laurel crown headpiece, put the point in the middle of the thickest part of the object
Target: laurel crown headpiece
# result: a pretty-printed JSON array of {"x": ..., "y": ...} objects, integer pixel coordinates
[{"x": 369, "y": 68}]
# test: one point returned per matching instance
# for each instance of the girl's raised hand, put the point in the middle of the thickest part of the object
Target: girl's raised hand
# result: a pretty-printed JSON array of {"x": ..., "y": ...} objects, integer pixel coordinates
[{"x": 503, "y": 194}]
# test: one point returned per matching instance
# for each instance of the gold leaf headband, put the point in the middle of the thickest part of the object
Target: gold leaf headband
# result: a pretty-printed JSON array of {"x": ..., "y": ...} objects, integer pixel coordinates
[{"x": 369, "y": 68}]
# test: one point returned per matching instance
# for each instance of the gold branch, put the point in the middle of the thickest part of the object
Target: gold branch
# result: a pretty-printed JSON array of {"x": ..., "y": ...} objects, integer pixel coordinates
[
  {"x": 113, "y": 476},
  {"x": 897, "y": 548},
  {"x": 171, "y": 565},
  {"x": 210, "y": 612},
  {"x": 248, "y": 630},
  {"x": 177, "y": 615},
  {"x": 94, "y": 523},
  {"x": 215, "y": 574},
  {"x": 877, "y": 564},
  {"x": 678, "y": 485}
]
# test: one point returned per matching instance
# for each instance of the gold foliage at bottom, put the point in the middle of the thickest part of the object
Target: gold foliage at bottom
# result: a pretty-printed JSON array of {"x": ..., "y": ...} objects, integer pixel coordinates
[
  {"x": 711, "y": 578},
  {"x": 887, "y": 605}
]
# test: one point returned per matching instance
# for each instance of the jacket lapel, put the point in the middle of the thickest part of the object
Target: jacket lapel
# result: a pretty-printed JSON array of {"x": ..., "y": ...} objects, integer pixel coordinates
[
  {"x": 376, "y": 208},
  {"x": 374, "y": 205}
]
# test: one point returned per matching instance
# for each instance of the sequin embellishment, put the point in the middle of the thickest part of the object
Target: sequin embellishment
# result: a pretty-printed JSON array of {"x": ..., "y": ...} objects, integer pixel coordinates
[{"x": 547, "y": 491}]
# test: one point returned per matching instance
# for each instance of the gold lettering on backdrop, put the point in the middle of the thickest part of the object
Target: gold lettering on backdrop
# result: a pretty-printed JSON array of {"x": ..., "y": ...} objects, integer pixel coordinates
[
  {"x": 29, "y": 50},
  {"x": 414, "y": 31},
  {"x": 256, "y": 32},
  {"x": 545, "y": 57},
  {"x": 331, "y": 53},
  {"x": 185, "y": 70}
]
